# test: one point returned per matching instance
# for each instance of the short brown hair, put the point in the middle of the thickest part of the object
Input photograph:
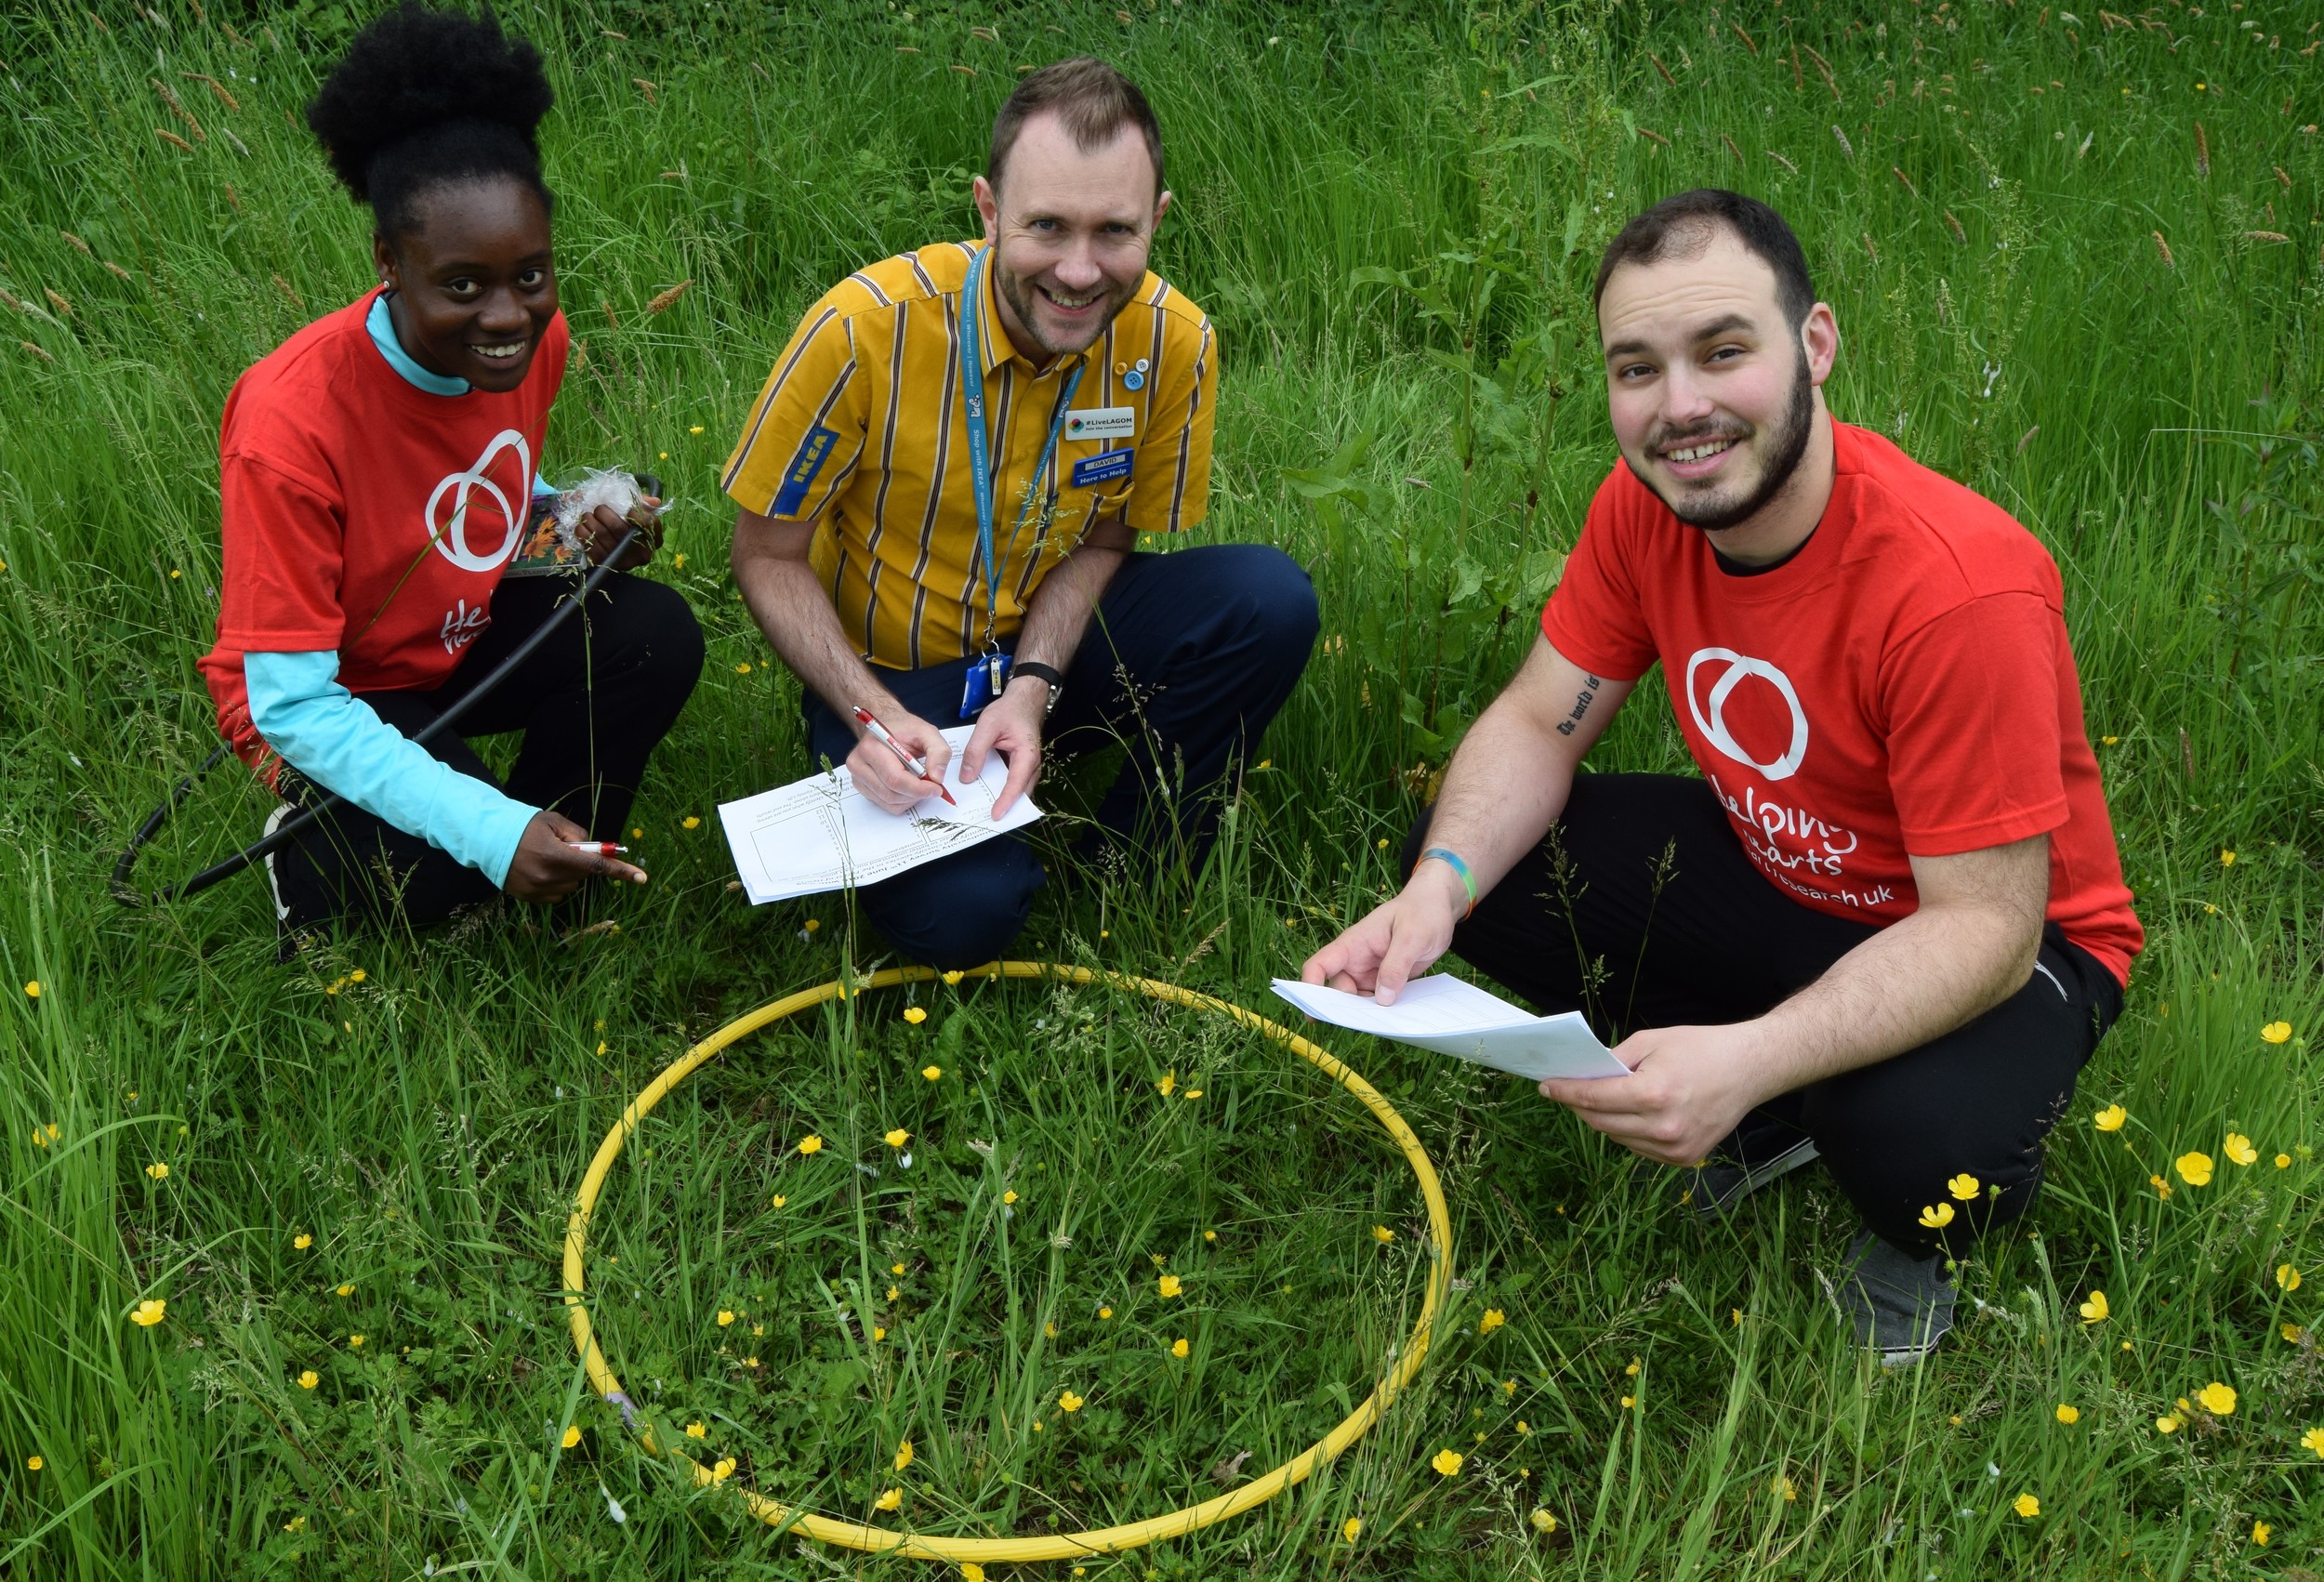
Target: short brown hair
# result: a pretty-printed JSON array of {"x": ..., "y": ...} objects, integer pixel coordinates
[
  {"x": 1094, "y": 102},
  {"x": 1681, "y": 227}
]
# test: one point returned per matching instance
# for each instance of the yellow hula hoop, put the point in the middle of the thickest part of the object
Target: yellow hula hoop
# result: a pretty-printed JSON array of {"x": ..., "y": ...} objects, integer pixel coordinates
[{"x": 1059, "y": 1546}]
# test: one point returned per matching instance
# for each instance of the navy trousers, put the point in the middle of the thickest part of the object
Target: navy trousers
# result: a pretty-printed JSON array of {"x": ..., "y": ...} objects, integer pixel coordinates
[{"x": 1186, "y": 659}]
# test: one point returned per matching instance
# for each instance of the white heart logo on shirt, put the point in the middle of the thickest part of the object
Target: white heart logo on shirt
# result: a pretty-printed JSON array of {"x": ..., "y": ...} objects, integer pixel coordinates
[
  {"x": 1710, "y": 713},
  {"x": 450, "y": 537}
]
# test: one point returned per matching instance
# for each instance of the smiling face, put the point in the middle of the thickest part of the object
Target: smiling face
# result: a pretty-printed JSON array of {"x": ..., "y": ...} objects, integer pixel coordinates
[
  {"x": 1714, "y": 397},
  {"x": 474, "y": 280},
  {"x": 1071, "y": 229}
]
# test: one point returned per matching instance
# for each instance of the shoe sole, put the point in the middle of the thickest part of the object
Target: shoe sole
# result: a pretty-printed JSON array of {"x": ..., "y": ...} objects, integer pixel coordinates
[{"x": 1804, "y": 1152}]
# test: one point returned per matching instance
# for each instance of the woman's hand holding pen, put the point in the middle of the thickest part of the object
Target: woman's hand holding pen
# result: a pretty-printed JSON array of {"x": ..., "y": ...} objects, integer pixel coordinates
[{"x": 547, "y": 868}]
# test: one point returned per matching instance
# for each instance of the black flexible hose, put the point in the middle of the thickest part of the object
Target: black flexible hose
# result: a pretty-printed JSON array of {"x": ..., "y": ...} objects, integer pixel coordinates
[{"x": 126, "y": 893}]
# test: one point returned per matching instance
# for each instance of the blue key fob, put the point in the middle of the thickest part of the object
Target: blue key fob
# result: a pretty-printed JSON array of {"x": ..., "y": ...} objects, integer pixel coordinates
[{"x": 987, "y": 679}]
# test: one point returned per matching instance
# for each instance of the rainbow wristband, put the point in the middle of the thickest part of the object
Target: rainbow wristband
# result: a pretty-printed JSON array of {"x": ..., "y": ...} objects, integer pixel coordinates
[{"x": 1468, "y": 880}]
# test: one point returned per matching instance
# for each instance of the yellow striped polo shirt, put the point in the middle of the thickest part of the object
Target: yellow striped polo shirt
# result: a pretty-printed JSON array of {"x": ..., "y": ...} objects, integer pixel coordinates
[{"x": 860, "y": 430}]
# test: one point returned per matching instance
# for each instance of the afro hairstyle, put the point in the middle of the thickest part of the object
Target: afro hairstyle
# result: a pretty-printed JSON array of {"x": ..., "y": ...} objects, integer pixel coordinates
[{"x": 426, "y": 99}]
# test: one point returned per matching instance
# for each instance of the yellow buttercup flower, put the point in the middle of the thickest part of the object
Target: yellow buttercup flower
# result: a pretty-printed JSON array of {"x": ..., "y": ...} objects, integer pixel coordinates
[
  {"x": 346, "y": 1290},
  {"x": 2110, "y": 1118},
  {"x": 2167, "y": 1423},
  {"x": 149, "y": 1311},
  {"x": 1105, "y": 1313},
  {"x": 34, "y": 1463},
  {"x": 1168, "y": 1084},
  {"x": 932, "y": 1072},
  {"x": 895, "y": 1268},
  {"x": 2219, "y": 1400},
  {"x": 1492, "y": 1319},
  {"x": 779, "y": 1200},
  {"x": 971, "y": 1572},
  {"x": 810, "y": 1144},
  {"x": 1210, "y": 1235},
  {"x": 158, "y": 1171},
  {"x": 2261, "y": 1533},
  {"x": 2094, "y": 1310},
  {"x": 2293, "y": 1333},
  {"x": 296, "y": 1523},
  {"x": 1783, "y": 1485},
  {"x": 1446, "y": 1462},
  {"x": 354, "y": 1342},
  {"x": 879, "y": 1332},
  {"x": 695, "y": 1430},
  {"x": 2194, "y": 1169},
  {"x": 1169, "y": 1285},
  {"x": 915, "y": 1014},
  {"x": 897, "y": 1138},
  {"x": 308, "y": 1380},
  {"x": 1383, "y": 1233},
  {"x": 571, "y": 1437},
  {"x": 1542, "y": 1520},
  {"x": 690, "y": 822},
  {"x": 894, "y": 1291},
  {"x": 903, "y": 1455},
  {"x": 2026, "y": 1506},
  {"x": 1964, "y": 1187},
  {"x": 2283, "y": 1161},
  {"x": 2162, "y": 1188},
  {"x": 303, "y": 1241},
  {"x": 2068, "y": 1414},
  {"x": 2238, "y": 1148},
  {"x": 1179, "y": 1347},
  {"x": 889, "y": 1500},
  {"x": 2275, "y": 1033},
  {"x": 31, "y": 990},
  {"x": 2226, "y": 859},
  {"x": 1632, "y": 1371},
  {"x": 726, "y": 1316},
  {"x": 2287, "y": 1277},
  {"x": 2313, "y": 1440},
  {"x": 1009, "y": 1197},
  {"x": 1069, "y": 1402},
  {"x": 1937, "y": 1216},
  {"x": 1350, "y": 1528}
]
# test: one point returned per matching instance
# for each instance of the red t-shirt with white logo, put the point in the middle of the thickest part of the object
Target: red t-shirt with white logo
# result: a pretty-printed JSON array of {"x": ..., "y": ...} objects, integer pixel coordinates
[
  {"x": 365, "y": 515},
  {"x": 1902, "y": 685}
]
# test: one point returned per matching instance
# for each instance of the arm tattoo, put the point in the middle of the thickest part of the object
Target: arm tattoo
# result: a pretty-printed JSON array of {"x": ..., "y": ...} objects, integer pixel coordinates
[{"x": 1582, "y": 700}]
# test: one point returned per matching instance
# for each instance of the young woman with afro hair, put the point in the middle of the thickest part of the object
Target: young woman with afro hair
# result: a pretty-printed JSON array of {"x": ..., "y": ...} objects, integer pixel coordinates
[{"x": 378, "y": 476}]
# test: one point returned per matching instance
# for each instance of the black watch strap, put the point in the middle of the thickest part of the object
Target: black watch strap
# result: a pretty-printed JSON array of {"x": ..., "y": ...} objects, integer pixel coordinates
[{"x": 1041, "y": 672}]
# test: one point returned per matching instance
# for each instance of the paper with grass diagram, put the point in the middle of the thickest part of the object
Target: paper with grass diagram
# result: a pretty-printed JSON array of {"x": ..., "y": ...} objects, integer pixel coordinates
[
  {"x": 1454, "y": 1017},
  {"x": 822, "y": 834}
]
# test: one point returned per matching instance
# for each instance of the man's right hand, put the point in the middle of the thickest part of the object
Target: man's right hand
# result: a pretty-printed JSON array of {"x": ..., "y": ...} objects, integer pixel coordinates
[
  {"x": 1400, "y": 939},
  {"x": 546, "y": 869},
  {"x": 880, "y": 775}
]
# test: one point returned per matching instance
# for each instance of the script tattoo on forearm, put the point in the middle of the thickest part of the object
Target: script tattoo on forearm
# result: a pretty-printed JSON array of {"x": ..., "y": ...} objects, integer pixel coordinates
[{"x": 1582, "y": 700}]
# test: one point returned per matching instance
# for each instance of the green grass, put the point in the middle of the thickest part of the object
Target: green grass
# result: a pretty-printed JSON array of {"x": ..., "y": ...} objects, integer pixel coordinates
[{"x": 1393, "y": 217}]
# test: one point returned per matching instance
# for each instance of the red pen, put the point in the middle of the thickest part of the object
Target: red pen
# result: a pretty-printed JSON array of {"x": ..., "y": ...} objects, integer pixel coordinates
[
  {"x": 879, "y": 733},
  {"x": 598, "y": 848}
]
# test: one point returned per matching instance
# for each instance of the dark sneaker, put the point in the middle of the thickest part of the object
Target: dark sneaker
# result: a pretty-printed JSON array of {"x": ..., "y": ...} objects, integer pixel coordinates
[
  {"x": 1902, "y": 1306},
  {"x": 1757, "y": 1152}
]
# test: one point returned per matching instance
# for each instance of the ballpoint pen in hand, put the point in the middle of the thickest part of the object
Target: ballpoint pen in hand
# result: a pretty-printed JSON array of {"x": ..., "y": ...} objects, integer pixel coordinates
[{"x": 919, "y": 767}]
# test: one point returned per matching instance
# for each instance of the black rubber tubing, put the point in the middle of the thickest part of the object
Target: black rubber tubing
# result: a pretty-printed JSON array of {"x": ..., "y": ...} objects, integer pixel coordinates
[{"x": 126, "y": 893}]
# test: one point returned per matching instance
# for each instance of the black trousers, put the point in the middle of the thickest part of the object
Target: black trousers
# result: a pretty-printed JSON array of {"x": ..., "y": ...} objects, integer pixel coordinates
[
  {"x": 593, "y": 700},
  {"x": 1642, "y": 910}
]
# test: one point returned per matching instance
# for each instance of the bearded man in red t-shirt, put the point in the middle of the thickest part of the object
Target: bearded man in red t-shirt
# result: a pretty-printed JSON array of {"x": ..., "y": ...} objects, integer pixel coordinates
[{"x": 1887, "y": 926}]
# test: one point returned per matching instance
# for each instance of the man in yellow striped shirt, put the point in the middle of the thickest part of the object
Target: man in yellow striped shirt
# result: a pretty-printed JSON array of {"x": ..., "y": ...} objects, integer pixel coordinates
[{"x": 940, "y": 488}]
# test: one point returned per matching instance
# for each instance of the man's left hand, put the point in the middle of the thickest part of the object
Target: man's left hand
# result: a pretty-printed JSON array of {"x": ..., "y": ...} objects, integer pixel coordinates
[
  {"x": 602, "y": 528},
  {"x": 1689, "y": 1089},
  {"x": 1012, "y": 726}
]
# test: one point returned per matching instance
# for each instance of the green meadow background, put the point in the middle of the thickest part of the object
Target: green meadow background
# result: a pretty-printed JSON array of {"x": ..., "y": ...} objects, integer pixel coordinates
[{"x": 2074, "y": 258}]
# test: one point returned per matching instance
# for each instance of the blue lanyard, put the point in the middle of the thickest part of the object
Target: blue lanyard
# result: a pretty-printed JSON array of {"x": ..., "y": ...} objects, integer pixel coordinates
[{"x": 979, "y": 452}]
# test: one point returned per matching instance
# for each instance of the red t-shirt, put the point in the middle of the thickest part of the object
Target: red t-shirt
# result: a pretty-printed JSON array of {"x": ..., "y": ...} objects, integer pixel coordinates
[
  {"x": 1902, "y": 685},
  {"x": 365, "y": 515}
]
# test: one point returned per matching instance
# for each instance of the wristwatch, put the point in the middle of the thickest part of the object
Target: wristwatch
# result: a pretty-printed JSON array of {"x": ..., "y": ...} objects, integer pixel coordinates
[{"x": 1039, "y": 672}]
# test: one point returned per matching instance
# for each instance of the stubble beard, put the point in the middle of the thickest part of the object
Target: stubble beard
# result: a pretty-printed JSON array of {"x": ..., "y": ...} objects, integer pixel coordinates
[
  {"x": 1788, "y": 449},
  {"x": 1019, "y": 297}
]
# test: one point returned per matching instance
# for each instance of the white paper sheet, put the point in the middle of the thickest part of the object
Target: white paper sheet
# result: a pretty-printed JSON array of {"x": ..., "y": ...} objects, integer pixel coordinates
[
  {"x": 821, "y": 834},
  {"x": 1454, "y": 1017}
]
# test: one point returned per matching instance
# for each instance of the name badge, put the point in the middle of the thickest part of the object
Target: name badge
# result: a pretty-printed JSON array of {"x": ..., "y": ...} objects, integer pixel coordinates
[
  {"x": 1102, "y": 423},
  {"x": 1107, "y": 467}
]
